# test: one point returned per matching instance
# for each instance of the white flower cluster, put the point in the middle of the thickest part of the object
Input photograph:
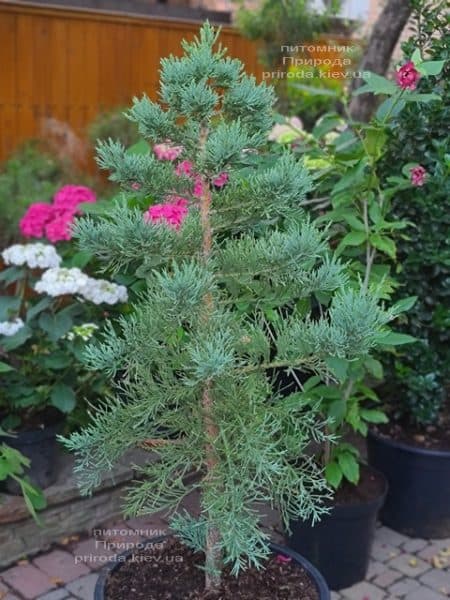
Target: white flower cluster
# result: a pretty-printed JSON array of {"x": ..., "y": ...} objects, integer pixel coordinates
[
  {"x": 101, "y": 291},
  {"x": 60, "y": 281},
  {"x": 35, "y": 256},
  {"x": 11, "y": 327}
]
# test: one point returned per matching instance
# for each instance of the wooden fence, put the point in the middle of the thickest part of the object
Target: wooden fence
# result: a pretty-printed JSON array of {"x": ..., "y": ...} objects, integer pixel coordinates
[{"x": 71, "y": 64}]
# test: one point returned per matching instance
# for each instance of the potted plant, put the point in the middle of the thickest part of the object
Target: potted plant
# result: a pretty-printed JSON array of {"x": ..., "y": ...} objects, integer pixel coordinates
[
  {"x": 356, "y": 196},
  {"x": 47, "y": 313},
  {"x": 413, "y": 450},
  {"x": 231, "y": 263}
]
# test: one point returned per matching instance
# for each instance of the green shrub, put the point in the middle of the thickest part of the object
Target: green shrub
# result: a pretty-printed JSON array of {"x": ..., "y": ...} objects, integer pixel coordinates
[
  {"x": 113, "y": 124},
  {"x": 418, "y": 377}
]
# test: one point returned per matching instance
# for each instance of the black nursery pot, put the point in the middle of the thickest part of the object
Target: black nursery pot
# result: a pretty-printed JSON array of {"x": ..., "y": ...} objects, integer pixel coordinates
[
  {"x": 339, "y": 544},
  {"x": 112, "y": 567},
  {"x": 418, "y": 501},
  {"x": 39, "y": 445}
]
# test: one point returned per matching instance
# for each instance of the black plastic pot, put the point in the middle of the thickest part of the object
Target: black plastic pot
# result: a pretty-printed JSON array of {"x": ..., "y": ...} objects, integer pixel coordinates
[
  {"x": 339, "y": 544},
  {"x": 322, "y": 588},
  {"x": 418, "y": 501},
  {"x": 39, "y": 445}
]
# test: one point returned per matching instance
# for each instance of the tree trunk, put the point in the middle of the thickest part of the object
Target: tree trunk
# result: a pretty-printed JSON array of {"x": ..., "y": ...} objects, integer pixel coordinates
[{"x": 384, "y": 37}]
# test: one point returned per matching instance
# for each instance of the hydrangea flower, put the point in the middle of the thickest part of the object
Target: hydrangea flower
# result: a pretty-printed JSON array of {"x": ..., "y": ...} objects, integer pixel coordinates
[
  {"x": 101, "y": 291},
  {"x": 69, "y": 197},
  {"x": 60, "y": 281},
  {"x": 167, "y": 151},
  {"x": 171, "y": 213},
  {"x": 418, "y": 175},
  {"x": 407, "y": 76},
  {"x": 33, "y": 223},
  {"x": 35, "y": 256},
  {"x": 9, "y": 328}
]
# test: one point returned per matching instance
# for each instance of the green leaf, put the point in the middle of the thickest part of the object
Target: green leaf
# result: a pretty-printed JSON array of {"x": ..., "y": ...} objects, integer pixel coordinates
[
  {"x": 5, "y": 368},
  {"x": 375, "y": 140},
  {"x": 81, "y": 259},
  {"x": 374, "y": 367},
  {"x": 18, "y": 339},
  {"x": 377, "y": 84},
  {"x": 395, "y": 339},
  {"x": 56, "y": 360},
  {"x": 338, "y": 366},
  {"x": 375, "y": 213},
  {"x": 404, "y": 305},
  {"x": 311, "y": 383},
  {"x": 43, "y": 304},
  {"x": 431, "y": 67},
  {"x": 55, "y": 325},
  {"x": 354, "y": 222},
  {"x": 373, "y": 416},
  {"x": 9, "y": 305},
  {"x": 63, "y": 397},
  {"x": 333, "y": 474},
  {"x": 354, "y": 238},
  {"x": 384, "y": 244},
  {"x": 416, "y": 57},
  {"x": 337, "y": 410},
  {"x": 350, "y": 466},
  {"x": 352, "y": 178},
  {"x": 417, "y": 97},
  {"x": 12, "y": 274}
]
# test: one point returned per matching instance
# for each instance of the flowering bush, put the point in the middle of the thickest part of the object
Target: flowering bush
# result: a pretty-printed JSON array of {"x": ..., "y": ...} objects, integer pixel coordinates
[{"x": 44, "y": 324}]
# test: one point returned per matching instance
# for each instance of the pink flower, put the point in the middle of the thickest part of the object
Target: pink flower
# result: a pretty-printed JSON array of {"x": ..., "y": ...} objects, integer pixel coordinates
[
  {"x": 136, "y": 186},
  {"x": 418, "y": 175},
  {"x": 185, "y": 167},
  {"x": 221, "y": 179},
  {"x": 171, "y": 213},
  {"x": 167, "y": 152},
  {"x": 407, "y": 76},
  {"x": 33, "y": 223},
  {"x": 58, "y": 229},
  {"x": 70, "y": 196},
  {"x": 198, "y": 187},
  {"x": 281, "y": 558}
]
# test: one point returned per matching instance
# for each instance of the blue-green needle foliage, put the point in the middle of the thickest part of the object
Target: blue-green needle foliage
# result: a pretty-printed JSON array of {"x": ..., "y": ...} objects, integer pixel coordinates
[{"x": 202, "y": 321}]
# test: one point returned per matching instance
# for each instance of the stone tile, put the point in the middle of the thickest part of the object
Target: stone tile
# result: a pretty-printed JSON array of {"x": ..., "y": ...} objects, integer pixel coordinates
[
  {"x": 387, "y": 578},
  {"x": 384, "y": 535},
  {"x": 414, "y": 545},
  {"x": 5, "y": 593},
  {"x": 438, "y": 579},
  {"x": 335, "y": 596},
  {"x": 434, "y": 549},
  {"x": 409, "y": 565},
  {"x": 363, "y": 591},
  {"x": 60, "y": 594},
  {"x": 424, "y": 593},
  {"x": 28, "y": 581},
  {"x": 84, "y": 588},
  {"x": 375, "y": 568},
  {"x": 384, "y": 552},
  {"x": 404, "y": 587},
  {"x": 60, "y": 565},
  {"x": 93, "y": 553}
]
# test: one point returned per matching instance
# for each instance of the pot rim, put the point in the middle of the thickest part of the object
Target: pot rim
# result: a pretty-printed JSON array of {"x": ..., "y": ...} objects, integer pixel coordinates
[
  {"x": 388, "y": 441},
  {"x": 316, "y": 576}
]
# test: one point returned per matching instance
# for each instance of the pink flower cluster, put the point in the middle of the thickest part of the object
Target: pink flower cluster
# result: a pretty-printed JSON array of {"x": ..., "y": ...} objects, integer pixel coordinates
[
  {"x": 407, "y": 76},
  {"x": 172, "y": 213},
  {"x": 418, "y": 175},
  {"x": 186, "y": 168},
  {"x": 167, "y": 152},
  {"x": 53, "y": 221}
]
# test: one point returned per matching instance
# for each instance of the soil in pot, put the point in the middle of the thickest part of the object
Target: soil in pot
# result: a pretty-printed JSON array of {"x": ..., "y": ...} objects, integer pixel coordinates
[
  {"x": 339, "y": 544},
  {"x": 174, "y": 572}
]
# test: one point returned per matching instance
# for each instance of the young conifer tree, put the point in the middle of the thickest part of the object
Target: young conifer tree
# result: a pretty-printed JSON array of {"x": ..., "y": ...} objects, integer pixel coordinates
[{"x": 193, "y": 362}]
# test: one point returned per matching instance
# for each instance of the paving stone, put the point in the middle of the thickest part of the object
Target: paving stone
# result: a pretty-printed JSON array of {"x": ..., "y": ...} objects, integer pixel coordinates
[
  {"x": 375, "y": 568},
  {"x": 409, "y": 565},
  {"x": 60, "y": 594},
  {"x": 424, "y": 593},
  {"x": 5, "y": 593},
  {"x": 384, "y": 535},
  {"x": 414, "y": 545},
  {"x": 403, "y": 587},
  {"x": 363, "y": 591},
  {"x": 385, "y": 579},
  {"x": 335, "y": 596},
  {"x": 61, "y": 565},
  {"x": 438, "y": 579},
  {"x": 93, "y": 553},
  {"x": 384, "y": 552},
  {"x": 434, "y": 549},
  {"x": 84, "y": 588},
  {"x": 28, "y": 581}
]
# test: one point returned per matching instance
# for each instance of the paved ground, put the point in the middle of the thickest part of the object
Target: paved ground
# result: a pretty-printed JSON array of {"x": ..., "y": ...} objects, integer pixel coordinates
[{"x": 401, "y": 567}]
